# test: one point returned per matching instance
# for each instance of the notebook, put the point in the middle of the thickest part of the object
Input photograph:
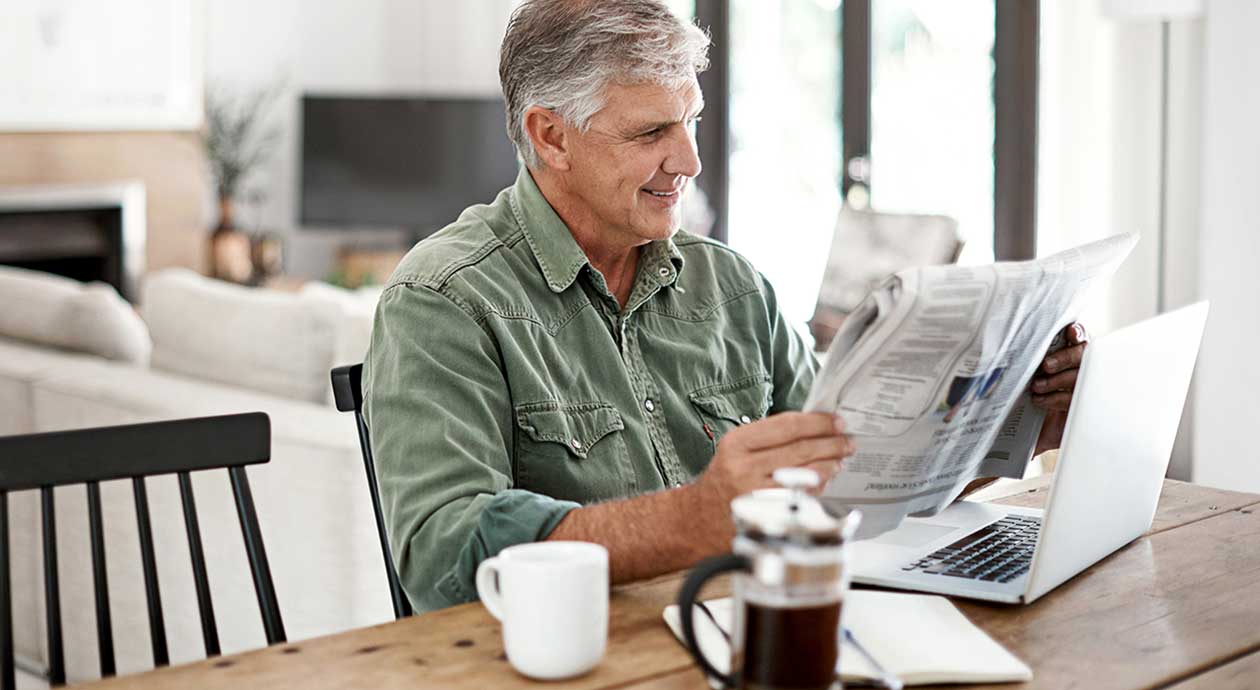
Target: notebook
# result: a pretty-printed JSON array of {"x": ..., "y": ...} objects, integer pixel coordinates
[{"x": 922, "y": 639}]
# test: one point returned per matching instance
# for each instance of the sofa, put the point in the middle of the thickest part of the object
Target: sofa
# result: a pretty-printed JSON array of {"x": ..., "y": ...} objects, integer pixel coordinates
[{"x": 75, "y": 355}]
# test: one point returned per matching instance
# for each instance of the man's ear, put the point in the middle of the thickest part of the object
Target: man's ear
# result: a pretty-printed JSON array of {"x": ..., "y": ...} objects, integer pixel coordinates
[{"x": 546, "y": 131}]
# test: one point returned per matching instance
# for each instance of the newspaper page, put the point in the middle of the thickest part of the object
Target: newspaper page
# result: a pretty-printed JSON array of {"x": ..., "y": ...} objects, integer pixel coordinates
[{"x": 931, "y": 375}]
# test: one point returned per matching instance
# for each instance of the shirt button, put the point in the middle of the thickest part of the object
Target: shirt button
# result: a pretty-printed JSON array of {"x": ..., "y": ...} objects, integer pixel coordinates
[
  {"x": 677, "y": 485},
  {"x": 649, "y": 405},
  {"x": 577, "y": 445},
  {"x": 664, "y": 272},
  {"x": 743, "y": 419}
]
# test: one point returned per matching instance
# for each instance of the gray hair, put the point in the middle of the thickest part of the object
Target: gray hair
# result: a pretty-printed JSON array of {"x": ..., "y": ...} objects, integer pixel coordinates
[{"x": 561, "y": 54}]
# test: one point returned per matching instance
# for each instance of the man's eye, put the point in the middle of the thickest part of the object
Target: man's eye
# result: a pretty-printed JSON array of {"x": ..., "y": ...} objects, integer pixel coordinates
[{"x": 652, "y": 132}]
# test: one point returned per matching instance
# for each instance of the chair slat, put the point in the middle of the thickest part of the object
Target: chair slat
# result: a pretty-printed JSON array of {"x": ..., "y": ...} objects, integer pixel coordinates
[
  {"x": 402, "y": 607},
  {"x": 134, "y": 450},
  {"x": 100, "y": 582},
  {"x": 8, "y": 674},
  {"x": 209, "y": 630},
  {"x": 263, "y": 587},
  {"x": 157, "y": 628},
  {"x": 347, "y": 383},
  {"x": 52, "y": 589}
]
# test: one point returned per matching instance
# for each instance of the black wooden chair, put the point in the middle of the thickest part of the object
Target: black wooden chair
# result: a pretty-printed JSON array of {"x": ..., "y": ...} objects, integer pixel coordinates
[
  {"x": 347, "y": 383},
  {"x": 136, "y": 451}
]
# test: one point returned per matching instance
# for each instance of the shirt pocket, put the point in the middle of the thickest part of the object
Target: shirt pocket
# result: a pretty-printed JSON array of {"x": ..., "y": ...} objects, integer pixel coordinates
[
  {"x": 572, "y": 451},
  {"x": 724, "y": 406}
]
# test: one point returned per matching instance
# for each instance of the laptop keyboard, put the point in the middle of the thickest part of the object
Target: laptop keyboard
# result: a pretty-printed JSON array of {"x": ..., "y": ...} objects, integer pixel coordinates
[{"x": 999, "y": 552}]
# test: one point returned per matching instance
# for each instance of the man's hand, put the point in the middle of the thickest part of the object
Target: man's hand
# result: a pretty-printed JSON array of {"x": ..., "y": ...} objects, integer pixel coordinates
[
  {"x": 1054, "y": 383},
  {"x": 669, "y": 530},
  {"x": 748, "y": 455}
]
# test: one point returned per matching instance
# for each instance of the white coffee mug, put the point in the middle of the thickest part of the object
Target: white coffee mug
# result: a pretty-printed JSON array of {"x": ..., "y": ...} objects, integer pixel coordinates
[{"x": 552, "y": 598}]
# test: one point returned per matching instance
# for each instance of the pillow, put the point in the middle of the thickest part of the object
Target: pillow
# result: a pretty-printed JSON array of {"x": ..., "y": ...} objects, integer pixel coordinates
[
  {"x": 351, "y": 312},
  {"x": 52, "y": 310},
  {"x": 265, "y": 340}
]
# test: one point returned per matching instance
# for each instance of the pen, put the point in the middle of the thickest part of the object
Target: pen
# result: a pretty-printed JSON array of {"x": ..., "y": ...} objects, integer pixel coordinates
[{"x": 886, "y": 679}]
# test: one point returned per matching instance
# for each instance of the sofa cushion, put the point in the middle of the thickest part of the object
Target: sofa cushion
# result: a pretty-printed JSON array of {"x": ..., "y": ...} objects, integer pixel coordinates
[
  {"x": 55, "y": 311},
  {"x": 22, "y": 364},
  {"x": 352, "y": 319},
  {"x": 111, "y": 394},
  {"x": 266, "y": 340}
]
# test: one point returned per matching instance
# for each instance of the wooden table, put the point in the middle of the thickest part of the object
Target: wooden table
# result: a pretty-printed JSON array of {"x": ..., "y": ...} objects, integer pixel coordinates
[{"x": 1179, "y": 607}]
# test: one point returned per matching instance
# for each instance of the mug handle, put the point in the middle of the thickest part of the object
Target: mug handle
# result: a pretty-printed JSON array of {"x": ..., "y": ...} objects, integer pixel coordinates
[
  {"x": 488, "y": 586},
  {"x": 707, "y": 570}
]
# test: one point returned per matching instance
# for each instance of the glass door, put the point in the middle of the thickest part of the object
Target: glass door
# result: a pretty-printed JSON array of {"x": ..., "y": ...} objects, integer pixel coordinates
[
  {"x": 931, "y": 115},
  {"x": 785, "y": 142}
]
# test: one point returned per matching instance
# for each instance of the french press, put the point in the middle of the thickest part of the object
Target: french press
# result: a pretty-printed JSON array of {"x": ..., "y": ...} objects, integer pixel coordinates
[{"x": 789, "y": 570}]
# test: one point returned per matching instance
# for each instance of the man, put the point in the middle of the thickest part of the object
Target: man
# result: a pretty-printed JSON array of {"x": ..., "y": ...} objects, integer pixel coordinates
[{"x": 564, "y": 363}]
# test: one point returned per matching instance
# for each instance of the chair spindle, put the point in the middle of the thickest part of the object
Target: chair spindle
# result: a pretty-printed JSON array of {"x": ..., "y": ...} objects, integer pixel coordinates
[
  {"x": 157, "y": 628},
  {"x": 8, "y": 674},
  {"x": 100, "y": 582},
  {"x": 402, "y": 607},
  {"x": 52, "y": 589},
  {"x": 209, "y": 630},
  {"x": 273, "y": 627}
]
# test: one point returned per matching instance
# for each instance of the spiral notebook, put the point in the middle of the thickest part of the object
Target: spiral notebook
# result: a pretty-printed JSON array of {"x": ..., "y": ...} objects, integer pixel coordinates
[{"x": 921, "y": 639}]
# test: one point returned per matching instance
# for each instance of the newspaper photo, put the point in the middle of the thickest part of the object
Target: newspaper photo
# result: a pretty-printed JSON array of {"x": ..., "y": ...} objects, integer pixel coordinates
[{"x": 931, "y": 375}]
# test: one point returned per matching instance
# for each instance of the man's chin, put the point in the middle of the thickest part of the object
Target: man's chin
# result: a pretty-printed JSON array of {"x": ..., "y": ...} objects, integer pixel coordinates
[
  {"x": 666, "y": 227},
  {"x": 656, "y": 226},
  {"x": 662, "y": 232}
]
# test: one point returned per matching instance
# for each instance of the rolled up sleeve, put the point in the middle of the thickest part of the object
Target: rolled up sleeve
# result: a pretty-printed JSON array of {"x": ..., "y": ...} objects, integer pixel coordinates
[{"x": 440, "y": 419}]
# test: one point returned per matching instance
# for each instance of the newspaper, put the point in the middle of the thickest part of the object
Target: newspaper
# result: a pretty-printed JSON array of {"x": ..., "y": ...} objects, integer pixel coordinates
[{"x": 931, "y": 375}]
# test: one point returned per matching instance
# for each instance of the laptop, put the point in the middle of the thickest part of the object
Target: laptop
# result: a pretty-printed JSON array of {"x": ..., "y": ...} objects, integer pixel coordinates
[{"x": 1115, "y": 451}]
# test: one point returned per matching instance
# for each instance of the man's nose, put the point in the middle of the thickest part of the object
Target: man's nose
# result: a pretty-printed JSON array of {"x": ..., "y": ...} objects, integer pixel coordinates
[{"x": 683, "y": 158}]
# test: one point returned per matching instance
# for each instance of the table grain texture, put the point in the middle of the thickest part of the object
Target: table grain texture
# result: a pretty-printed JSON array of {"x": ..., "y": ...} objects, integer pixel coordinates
[{"x": 1177, "y": 608}]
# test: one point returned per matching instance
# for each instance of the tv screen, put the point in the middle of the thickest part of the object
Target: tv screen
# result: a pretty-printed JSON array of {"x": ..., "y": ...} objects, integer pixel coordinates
[{"x": 411, "y": 163}]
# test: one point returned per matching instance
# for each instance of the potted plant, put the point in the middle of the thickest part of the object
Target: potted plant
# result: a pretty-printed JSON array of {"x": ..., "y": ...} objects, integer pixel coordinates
[{"x": 238, "y": 142}]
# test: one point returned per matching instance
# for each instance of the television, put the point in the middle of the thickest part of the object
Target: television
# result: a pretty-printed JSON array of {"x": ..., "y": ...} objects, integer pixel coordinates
[{"x": 401, "y": 162}]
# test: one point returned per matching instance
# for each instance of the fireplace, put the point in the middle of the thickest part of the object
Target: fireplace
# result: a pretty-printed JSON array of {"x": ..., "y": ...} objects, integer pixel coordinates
[{"x": 85, "y": 232}]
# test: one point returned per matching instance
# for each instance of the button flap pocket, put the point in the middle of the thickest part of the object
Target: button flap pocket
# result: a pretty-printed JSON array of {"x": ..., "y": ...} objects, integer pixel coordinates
[
  {"x": 577, "y": 427},
  {"x": 739, "y": 401}
]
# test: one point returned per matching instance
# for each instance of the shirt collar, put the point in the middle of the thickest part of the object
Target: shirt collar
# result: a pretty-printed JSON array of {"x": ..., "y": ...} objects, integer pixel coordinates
[
  {"x": 663, "y": 259},
  {"x": 558, "y": 254}
]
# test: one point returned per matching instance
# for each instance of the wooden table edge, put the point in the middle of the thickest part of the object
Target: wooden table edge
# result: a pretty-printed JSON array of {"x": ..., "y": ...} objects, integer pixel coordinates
[{"x": 1251, "y": 655}]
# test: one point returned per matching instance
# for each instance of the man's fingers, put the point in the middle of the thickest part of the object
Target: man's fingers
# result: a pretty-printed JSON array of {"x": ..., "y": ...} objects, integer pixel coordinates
[
  {"x": 1076, "y": 334},
  {"x": 1053, "y": 402},
  {"x": 1062, "y": 381},
  {"x": 826, "y": 469},
  {"x": 1067, "y": 358},
  {"x": 784, "y": 428},
  {"x": 803, "y": 452}
]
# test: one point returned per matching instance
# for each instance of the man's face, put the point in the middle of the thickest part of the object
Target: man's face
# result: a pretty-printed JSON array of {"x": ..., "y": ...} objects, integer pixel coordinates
[{"x": 630, "y": 167}]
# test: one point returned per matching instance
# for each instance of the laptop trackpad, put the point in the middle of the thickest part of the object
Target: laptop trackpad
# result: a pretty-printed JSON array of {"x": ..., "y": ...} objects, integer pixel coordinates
[{"x": 913, "y": 534}]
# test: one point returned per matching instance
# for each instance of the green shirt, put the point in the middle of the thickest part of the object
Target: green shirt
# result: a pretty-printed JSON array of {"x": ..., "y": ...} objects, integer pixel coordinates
[{"x": 504, "y": 386}]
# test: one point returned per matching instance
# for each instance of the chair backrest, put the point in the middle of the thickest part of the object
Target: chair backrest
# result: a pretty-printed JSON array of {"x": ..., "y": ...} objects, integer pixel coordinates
[
  {"x": 134, "y": 451},
  {"x": 347, "y": 383},
  {"x": 869, "y": 246}
]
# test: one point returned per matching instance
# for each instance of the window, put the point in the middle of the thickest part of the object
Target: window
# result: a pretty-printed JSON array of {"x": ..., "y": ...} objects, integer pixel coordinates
[
  {"x": 932, "y": 114},
  {"x": 785, "y": 142}
]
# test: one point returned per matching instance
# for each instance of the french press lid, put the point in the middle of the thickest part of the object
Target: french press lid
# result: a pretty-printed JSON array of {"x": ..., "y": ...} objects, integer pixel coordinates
[{"x": 789, "y": 514}]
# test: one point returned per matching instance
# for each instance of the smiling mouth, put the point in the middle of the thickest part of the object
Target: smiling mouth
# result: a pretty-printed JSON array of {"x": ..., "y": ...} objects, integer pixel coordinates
[{"x": 669, "y": 194}]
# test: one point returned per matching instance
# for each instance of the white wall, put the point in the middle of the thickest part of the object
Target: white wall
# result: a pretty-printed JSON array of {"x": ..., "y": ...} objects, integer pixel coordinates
[
  {"x": 1099, "y": 174},
  {"x": 1228, "y": 395},
  {"x": 344, "y": 46},
  {"x": 1098, "y": 168}
]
